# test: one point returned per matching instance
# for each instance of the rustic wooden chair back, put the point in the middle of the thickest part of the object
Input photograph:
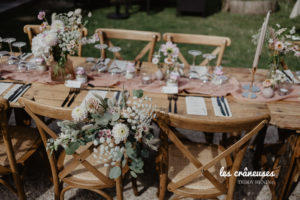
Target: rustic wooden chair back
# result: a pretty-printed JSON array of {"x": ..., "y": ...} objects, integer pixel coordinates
[
  {"x": 61, "y": 172},
  {"x": 33, "y": 30},
  {"x": 219, "y": 42},
  {"x": 105, "y": 34},
  {"x": 6, "y": 144},
  {"x": 238, "y": 148}
]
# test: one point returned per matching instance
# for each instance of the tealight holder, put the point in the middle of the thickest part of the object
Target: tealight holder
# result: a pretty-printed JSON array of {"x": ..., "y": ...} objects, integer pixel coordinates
[
  {"x": 284, "y": 88},
  {"x": 146, "y": 78},
  {"x": 81, "y": 75}
]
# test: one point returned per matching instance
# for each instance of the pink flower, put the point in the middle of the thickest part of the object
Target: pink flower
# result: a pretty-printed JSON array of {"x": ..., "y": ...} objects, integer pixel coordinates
[
  {"x": 43, "y": 26},
  {"x": 174, "y": 76},
  {"x": 218, "y": 70},
  {"x": 169, "y": 49},
  {"x": 41, "y": 15}
]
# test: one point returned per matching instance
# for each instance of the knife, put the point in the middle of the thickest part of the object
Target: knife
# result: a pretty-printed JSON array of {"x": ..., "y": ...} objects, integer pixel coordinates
[
  {"x": 24, "y": 87},
  {"x": 225, "y": 106},
  {"x": 15, "y": 92},
  {"x": 221, "y": 107}
]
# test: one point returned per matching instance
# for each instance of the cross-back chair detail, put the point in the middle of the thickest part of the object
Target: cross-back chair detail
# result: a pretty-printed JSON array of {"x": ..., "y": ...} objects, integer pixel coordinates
[
  {"x": 105, "y": 34},
  {"x": 187, "y": 181},
  {"x": 33, "y": 30},
  {"x": 220, "y": 42},
  {"x": 78, "y": 170},
  {"x": 17, "y": 144}
]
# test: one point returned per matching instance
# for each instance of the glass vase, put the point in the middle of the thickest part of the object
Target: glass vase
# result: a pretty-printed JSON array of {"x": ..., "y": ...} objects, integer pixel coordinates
[{"x": 60, "y": 72}]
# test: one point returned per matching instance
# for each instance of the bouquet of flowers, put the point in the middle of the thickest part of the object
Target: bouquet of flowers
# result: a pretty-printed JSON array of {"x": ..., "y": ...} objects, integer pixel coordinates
[
  {"x": 117, "y": 130},
  {"x": 59, "y": 39}
]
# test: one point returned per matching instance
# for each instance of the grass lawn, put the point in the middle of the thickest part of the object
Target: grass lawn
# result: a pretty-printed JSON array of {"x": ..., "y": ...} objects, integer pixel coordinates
[{"x": 239, "y": 28}]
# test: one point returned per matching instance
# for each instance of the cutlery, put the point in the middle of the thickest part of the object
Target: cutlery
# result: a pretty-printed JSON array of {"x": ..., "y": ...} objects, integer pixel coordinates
[
  {"x": 170, "y": 102},
  {"x": 287, "y": 76},
  {"x": 24, "y": 87},
  {"x": 117, "y": 96},
  {"x": 175, "y": 98},
  {"x": 71, "y": 91},
  {"x": 77, "y": 91},
  {"x": 221, "y": 107},
  {"x": 15, "y": 92},
  {"x": 91, "y": 85},
  {"x": 225, "y": 106}
]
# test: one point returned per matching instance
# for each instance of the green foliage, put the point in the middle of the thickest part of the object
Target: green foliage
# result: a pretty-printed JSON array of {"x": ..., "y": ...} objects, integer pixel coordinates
[
  {"x": 115, "y": 172},
  {"x": 72, "y": 148}
]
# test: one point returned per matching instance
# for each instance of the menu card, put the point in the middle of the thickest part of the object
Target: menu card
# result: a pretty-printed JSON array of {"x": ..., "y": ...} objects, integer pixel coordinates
[
  {"x": 195, "y": 106},
  {"x": 4, "y": 86}
]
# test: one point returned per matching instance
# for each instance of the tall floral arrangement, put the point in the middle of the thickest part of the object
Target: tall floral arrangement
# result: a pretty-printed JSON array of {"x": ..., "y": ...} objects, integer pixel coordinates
[
  {"x": 61, "y": 38},
  {"x": 280, "y": 43},
  {"x": 120, "y": 131}
]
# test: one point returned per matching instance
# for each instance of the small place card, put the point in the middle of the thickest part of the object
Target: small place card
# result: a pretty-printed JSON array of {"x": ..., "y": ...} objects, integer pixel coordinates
[
  {"x": 73, "y": 84},
  {"x": 170, "y": 89},
  {"x": 4, "y": 87},
  {"x": 94, "y": 93},
  {"x": 195, "y": 106}
]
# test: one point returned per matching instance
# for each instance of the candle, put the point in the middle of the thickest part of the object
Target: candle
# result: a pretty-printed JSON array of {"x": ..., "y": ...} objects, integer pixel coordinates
[{"x": 261, "y": 41}]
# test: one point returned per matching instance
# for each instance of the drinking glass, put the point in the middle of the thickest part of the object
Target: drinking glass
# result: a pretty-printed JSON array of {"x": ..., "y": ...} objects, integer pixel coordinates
[
  {"x": 209, "y": 57},
  {"x": 194, "y": 53},
  {"x": 19, "y": 45},
  {"x": 9, "y": 41},
  {"x": 101, "y": 62},
  {"x": 114, "y": 68}
]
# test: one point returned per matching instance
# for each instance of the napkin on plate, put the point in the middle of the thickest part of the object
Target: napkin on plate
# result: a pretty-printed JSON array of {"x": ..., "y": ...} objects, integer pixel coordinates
[{"x": 217, "y": 108}]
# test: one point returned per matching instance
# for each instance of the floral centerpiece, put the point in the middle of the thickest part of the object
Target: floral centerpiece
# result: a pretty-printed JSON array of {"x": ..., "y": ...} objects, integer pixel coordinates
[
  {"x": 170, "y": 64},
  {"x": 59, "y": 39},
  {"x": 120, "y": 132},
  {"x": 280, "y": 43}
]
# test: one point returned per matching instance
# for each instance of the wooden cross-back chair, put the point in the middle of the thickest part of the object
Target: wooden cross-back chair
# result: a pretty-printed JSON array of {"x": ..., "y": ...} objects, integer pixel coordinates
[
  {"x": 220, "y": 42},
  {"x": 17, "y": 144},
  {"x": 192, "y": 169},
  {"x": 105, "y": 34},
  {"x": 33, "y": 30},
  {"x": 79, "y": 170}
]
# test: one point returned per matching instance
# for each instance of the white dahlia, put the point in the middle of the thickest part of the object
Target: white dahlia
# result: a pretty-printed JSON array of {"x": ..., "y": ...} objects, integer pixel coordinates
[
  {"x": 120, "y": 132},
  {"x": 79, "y": 113}
]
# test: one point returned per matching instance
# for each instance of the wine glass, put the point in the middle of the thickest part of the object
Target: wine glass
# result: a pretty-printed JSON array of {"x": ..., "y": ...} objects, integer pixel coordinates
[
  {"x": 114, "y": 68},
  {"x": 194, "y": 53},
  {"x": 101, "y": 62},
  {"x": 209, "y": 57},
  {"x": 19, "y": 45},
  {"x": 9, "y": 41}
]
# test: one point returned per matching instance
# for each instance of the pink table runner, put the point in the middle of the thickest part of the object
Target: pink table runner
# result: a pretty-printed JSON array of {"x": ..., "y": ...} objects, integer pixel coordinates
[{"x": 232, "y": 86}]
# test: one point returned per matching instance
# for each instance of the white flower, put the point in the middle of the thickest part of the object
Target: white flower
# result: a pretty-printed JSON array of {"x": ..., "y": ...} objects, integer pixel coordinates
[
  {"x": 279, "y": 46},
  {"x": 79, "y": 114},
  {"x": 57, "y": 25},
  {"x": 102, "y": 139},
  {"x": 70, "y": 13},
  {"x": 120, "y": 132},
  {"x": 90, "y": 14},
  {"x": 293, "y": 30},
  {"x": 77, "y": 11},
  {"x": 155, "y": 60},
  {"x": 93, "y": 105},
  {"x": 50, "y": 38}
]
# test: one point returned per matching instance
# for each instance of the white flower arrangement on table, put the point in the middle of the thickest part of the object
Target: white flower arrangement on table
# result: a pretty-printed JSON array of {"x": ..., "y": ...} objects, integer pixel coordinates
[
  {"x": 117, "y": 130},
  {"x": 61, "y": 38}
]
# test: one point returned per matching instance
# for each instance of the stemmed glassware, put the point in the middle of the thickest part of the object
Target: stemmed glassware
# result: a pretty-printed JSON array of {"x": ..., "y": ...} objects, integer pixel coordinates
[
  {"x": 209, "y": 57},
  {"x": 9, "y": 41},
  {"x": 19, "y": 45},
  {"x": 100, "y": 65},
  {"x": 194, "y": 53},
  {"x": 114, "y": 67}
]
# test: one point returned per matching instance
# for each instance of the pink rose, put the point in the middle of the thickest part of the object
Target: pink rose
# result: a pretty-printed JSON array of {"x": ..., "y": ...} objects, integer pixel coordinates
[
  {"x": 41, "y": 15},
  {"x": 174, "y": 76}
]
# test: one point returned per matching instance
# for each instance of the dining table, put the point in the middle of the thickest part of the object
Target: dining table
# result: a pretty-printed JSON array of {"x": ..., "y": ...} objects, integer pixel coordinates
[{"x": 284, "y": 113}]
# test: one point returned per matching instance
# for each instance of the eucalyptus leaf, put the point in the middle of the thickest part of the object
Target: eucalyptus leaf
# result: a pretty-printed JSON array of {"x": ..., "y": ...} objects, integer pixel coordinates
[
  {"x": 124, "y": 161},
  {"x": 133, "y": 174},
  {"x": 115, "y": 172},
  {"x": 115, "y": 116},
  {"x": 128, "y": 144},
  {"x": 131, "y": 153},
  {"x": 101, "y": 121},
  {"x": 73, "y": 146},
  {"x": 145, "y": 153},
  {"x": 138, "y": 93}
]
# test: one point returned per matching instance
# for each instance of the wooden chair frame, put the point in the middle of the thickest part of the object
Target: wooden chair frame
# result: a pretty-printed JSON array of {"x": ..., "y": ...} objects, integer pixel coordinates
[
  {"x": 238, "y": 149},
  {"x": 152, "y": 37},
  {"x": 61, "y": 173},
  {"x": 219, "y": 42},
  {"x": 32, "y": 30}
]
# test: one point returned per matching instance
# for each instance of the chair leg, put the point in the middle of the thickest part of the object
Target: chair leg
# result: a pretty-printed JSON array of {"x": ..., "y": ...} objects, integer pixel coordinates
[
  {"x": 19, "y": 186},
  {"x": 119, "y": 188},
  {"x": 162, "y": 186},
  {"x": 134, "y": 187},
  {"x": 62, "y": 193}
]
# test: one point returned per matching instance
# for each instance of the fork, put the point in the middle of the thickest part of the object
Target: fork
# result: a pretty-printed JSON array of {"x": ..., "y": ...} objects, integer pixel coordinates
[
  {"x": 71, "y": 91},
  {"x": 77, "y": 91},
  {"x": 170, "y": 102},
  {"x": 175, "y": 98}
]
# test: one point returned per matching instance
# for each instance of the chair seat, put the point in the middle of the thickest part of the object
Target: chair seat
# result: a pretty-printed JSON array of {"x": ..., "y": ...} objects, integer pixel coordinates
[
  {"x": 25, "y": 141},
  {"x": 81, "y": 175},
  {"x": 180, "y": 167}
]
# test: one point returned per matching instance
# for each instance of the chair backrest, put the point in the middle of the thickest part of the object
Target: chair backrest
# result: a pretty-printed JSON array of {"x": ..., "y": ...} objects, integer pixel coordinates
[
  {"x": 37, "y": 110},
  {"x": 219, "y": 42},
  {"x": 238, "y": 147},
  {"x": 105, "y": 34},
  {"x": 4, "y": 105},
  {"x": 33, "y": 30}
]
